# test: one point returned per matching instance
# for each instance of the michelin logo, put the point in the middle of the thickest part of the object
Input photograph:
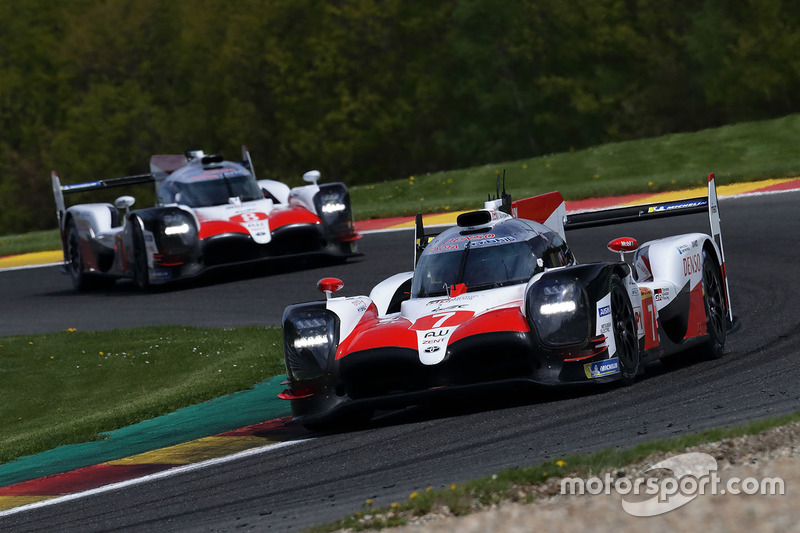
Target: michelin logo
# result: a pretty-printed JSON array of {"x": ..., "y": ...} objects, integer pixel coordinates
[{"x": 599, "y": 369}]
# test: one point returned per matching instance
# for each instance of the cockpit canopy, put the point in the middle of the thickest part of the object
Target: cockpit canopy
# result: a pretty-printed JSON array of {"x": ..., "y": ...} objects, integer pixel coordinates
[
  {"x": 510, "y": 252},
  {"x": 197, "y": 186}
]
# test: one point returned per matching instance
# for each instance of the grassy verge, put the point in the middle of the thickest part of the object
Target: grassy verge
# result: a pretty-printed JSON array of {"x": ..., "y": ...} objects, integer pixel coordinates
[
  {"x": 741, "y": 152},
  {"x": 70, "y": 386},
  {"x": 515, "y": 485},
  {"x": 35, "y": 241}
]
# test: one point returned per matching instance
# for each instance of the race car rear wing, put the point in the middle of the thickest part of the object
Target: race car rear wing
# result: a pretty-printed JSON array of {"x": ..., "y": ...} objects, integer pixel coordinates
[
  {"x": 60, "y": 190},
  {"x": 549, "y": 209}
]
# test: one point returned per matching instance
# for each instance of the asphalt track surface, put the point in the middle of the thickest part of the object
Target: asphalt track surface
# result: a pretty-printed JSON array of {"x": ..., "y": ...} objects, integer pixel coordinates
[{"x": 331, "y": 475}]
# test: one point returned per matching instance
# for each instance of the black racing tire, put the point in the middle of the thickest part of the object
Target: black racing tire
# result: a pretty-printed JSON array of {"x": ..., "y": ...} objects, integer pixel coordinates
[
  {"x": 626, "y": 337},
  {"x": 81, "y": 280},
  {"x": 74, "y": 258},
  {"x": 714, "y": 303},
  {"x": 141, "y": 271}
]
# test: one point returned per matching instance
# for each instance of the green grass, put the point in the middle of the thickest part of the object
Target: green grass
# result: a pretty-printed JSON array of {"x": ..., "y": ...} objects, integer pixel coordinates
[
  {"x": 742, "y": 152},
  {"x": 510, "y": 485},
  {"x": 35, "y": 241},
  {"x": 70, "y": 386}
]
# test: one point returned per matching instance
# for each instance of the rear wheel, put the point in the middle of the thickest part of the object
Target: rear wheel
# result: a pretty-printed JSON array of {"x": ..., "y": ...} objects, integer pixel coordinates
[
  {"x": 625, "y": 335},
  {"x": 81, "y": 280},
  {"x": 75, "y": 258},
  {"x": 714, "y": 302}
]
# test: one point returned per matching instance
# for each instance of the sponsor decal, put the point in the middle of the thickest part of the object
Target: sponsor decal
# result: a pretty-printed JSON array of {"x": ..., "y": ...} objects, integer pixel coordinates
[
  {"x": 692, "y": 265},
  {"x": 159, "y": 273},
  {"x": 460, "y": 298},
  {"x": 599, "y": 369},
  {"x": 444, "y": 248},
  {"x": 605, "y": 328},
  {"x": 431, "y": 349},
  {"x": 433, "y": 341},
  {"x": 661, "y": 294},
  {"x": 682, "y": 248},
  {"x": 359, "y": 304},
  {"x": 605, "y": 310},
  {"x": 437, "y": 333},
  {"x": 695, "y": 244},
  {"x": 678, "y": 205},
  {"x": 469, "y": 238},
  {"x": 488, "y": 242}
]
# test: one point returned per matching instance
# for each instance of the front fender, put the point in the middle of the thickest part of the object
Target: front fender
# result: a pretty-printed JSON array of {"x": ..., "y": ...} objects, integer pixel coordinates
[{"x": 391, "y": 292}]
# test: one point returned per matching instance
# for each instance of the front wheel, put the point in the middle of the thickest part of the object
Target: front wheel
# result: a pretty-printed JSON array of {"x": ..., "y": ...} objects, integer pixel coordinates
[
  {"x": 714, "y": 303},
  {"x": 141, "y": 270},
  {"x": 625, "y": 334}
]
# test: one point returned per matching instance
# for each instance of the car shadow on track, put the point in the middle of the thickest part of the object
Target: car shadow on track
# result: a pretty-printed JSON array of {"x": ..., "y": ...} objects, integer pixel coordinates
[
  {"x": 517, "y": 397},
  {"x": 221, "y": 275}
]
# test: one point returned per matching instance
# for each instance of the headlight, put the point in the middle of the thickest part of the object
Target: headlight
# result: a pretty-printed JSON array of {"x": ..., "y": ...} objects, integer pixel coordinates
[
  {"x": 557, "y": 310},
  {"x": 309, "y": 338},
  {"x": 178, "y": 230},
  {"x": 332, "y": 204},
  {"x": 334, "y": 207}
]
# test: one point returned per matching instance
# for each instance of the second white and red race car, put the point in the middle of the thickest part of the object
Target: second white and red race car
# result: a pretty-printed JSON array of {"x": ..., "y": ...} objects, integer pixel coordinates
[
  {"x": 209, "y": 212},
  {"x": 500, "y": 299}
]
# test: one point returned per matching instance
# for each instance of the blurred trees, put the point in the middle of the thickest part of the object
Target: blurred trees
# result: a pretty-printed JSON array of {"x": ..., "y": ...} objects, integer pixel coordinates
[{"x": 367, "y": 90}]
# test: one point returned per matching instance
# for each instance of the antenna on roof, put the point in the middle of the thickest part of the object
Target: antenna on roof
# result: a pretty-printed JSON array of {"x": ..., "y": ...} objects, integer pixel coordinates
[{"x": 506, "y": 198}]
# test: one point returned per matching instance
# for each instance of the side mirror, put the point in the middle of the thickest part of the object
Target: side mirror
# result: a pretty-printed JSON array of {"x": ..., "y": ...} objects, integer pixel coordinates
[
  {"x": 312, "y": 176},
  {"x": 329, "y": 285},
  {"x": 124, "y": 202},
  {"x": 623, "y": 245}
]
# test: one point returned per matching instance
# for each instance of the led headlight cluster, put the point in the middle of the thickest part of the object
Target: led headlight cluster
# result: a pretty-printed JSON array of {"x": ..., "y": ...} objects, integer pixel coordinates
[
  {"x": 178, "y": 229},
  {"x": 309, "y": 337},
  {"x": 333, "y": 207},
  {"x": 558, "y": 311}
]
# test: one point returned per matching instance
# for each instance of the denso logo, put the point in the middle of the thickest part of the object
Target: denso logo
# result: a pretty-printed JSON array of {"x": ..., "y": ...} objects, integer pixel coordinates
[
  {"x": 691, "y": 264},
  {"x": 439, "y": 333}
]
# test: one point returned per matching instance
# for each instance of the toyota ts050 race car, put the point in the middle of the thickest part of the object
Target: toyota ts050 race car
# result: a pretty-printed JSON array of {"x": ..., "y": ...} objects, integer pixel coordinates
[
  {"x": 209, "y": 212},
  {"x": 501, "y": 299}
]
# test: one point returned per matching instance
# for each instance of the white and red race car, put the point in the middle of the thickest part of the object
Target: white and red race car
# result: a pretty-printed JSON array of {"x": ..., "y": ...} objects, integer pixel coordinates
[
  {"x": 210, "y": 212},
  {"x": 500, "y": 299}
]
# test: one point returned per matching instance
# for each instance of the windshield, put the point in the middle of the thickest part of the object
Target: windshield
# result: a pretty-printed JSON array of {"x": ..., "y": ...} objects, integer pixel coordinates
[
  {"x": 211, "y": 191},
  {"x": 478, "y": 267}
]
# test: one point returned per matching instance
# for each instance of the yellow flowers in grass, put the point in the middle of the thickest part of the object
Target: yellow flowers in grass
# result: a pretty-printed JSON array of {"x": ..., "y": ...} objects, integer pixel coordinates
[
  {"x": 560, "y": 463},
  {"x": 413, "y": 495}
]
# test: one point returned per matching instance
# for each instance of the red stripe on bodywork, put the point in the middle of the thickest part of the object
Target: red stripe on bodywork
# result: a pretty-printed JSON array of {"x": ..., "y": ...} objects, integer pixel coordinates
[
  {"x": 291, "y": 215},
  {"x": 81, "y": 479},
  {"x": 696, "y": 326},
  {"x": 218, "y": 227},
  {"x": 373, "y": 333},
  {"x": 508, "y": 319}
]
